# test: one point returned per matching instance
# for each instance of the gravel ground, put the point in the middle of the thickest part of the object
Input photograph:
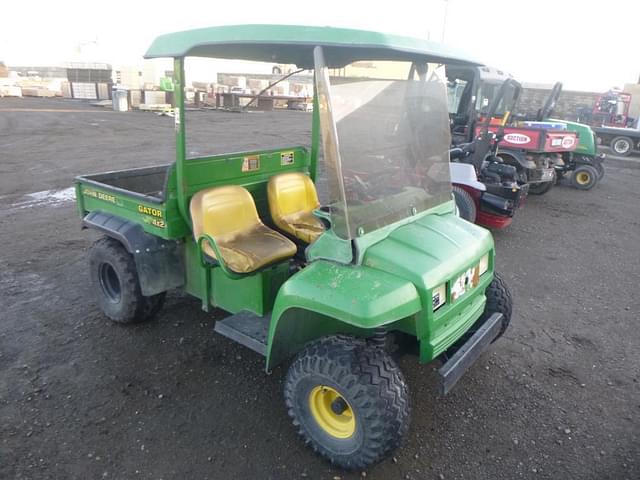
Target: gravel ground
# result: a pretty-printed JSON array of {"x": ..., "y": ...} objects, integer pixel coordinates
[{"x": 80, "y": 398}]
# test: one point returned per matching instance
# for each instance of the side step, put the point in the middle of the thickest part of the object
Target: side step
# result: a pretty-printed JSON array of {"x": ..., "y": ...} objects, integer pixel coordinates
[{"x": 246, "y": 328}]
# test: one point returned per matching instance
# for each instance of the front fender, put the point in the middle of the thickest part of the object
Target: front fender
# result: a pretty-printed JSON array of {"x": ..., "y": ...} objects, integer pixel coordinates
[{"x": 326, "y": 298}]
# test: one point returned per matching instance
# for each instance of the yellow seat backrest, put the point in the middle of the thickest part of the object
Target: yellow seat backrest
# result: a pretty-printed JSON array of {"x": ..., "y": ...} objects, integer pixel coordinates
[
  {"x": 291, "y": 193},
  {"x": 292, "y": 199},
  {"x": 222, "y": 211}
]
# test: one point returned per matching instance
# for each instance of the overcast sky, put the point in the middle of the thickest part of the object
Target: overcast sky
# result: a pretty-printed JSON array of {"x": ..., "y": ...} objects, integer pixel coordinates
[{"x": 589, "y": 45}]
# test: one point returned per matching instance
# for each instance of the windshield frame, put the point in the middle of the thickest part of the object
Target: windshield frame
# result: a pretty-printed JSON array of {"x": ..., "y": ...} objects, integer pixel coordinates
[{"x": 426, "y": 184}]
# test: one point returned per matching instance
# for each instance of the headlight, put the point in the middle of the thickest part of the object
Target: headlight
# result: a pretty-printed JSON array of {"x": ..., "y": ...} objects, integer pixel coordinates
[
  {"x": 439, "y": 296},
  {"x": 484, "y": 264}
]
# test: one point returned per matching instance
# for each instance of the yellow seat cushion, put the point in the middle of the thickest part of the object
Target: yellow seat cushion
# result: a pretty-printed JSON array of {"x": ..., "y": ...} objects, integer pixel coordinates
[
  {"x": 228, "y": 215},
  {"x": 292, "y": 199}
]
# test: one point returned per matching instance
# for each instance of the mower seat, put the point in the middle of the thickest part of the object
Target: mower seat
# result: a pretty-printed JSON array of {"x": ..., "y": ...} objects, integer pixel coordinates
[
  {"x": 229, "y": 216},
  {"x": 292, "y": 199}
]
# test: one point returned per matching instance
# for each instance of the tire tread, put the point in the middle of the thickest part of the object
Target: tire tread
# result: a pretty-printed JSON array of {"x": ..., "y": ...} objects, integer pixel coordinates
[
  {"x": 136, "y": 307},
  {"x": 374, "y": 383},
  {"x": 499, "y": 299}
]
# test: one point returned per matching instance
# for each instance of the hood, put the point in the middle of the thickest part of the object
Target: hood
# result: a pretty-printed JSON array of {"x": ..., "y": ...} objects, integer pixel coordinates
[{"x": 430, "y": 250}]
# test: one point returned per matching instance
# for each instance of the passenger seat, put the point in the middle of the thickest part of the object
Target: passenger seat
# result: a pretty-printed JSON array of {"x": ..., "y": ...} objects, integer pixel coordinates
[{"x": 292, "y": 199}]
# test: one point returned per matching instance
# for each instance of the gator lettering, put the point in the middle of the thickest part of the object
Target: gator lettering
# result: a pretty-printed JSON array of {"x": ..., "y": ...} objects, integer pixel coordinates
[{"x": 154, "y": 212}]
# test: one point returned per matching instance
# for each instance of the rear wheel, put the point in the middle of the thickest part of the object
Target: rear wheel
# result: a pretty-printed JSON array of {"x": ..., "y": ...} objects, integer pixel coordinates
[
  {"x": 349, "y": 400},
  {"x": 464, "y": 202},
  {"x": 499, "y": 300},
  {"x": 622, "y": 146},
  {"x": 584, "y": 177},
  {"x": 116, "y": 285}
]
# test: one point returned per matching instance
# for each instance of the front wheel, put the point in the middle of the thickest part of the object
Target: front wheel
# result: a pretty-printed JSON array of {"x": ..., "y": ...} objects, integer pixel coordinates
[
  {"x": 349, "y": 400},
  {"x": 499, "y": 300},
  {"x": 585, "y": 177},
  {"x": 116, "y": 285}
]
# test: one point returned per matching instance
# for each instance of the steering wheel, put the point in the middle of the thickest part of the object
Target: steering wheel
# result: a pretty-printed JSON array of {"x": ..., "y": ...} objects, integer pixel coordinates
[
  {"x": 363, "y": 184},
  {"x": 550, "y": 102}
]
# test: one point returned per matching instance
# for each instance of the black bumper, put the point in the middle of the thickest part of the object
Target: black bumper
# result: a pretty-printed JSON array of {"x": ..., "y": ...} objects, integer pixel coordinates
[{"x": 466, "y": 354}]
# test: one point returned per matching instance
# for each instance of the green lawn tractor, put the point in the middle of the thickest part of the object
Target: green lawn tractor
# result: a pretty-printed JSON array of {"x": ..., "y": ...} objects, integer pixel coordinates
[{"x": 325, "y": 288}]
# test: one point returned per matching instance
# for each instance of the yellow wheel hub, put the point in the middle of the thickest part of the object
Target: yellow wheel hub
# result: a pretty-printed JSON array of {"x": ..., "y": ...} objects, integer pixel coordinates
[
  {"x": 332, "y": 412},
  {"x": 583, "y": 178}
]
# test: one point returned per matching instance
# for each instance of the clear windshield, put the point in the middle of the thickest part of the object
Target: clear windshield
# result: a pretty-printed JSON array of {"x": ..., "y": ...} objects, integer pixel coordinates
[{"x": 386, "y": 142}]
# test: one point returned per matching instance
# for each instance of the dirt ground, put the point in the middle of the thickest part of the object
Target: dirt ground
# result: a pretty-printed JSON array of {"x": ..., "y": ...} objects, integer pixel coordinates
[{"x": 558, "y": 397}]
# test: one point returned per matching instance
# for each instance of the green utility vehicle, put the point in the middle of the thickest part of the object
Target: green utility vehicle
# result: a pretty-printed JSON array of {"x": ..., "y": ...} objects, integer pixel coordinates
[{"x": 332, "y": 287}]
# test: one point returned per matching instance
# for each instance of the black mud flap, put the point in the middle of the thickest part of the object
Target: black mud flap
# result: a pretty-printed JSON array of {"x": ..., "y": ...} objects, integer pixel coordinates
[
  {"x": 159, "y": 262},
  {"x": 467, "y": 353}
]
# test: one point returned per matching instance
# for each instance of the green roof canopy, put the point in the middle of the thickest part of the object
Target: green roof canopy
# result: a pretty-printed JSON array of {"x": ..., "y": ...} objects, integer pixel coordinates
[{"x": 293, "y": 44}]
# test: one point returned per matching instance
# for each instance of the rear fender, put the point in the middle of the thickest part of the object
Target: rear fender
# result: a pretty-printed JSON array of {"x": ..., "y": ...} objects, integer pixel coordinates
[
  {"x": 159, "y": 262},
  {"x": 327, "y": 298}
]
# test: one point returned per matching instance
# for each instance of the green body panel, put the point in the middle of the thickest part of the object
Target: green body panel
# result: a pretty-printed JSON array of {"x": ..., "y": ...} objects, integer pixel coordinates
[
  {"x": 586, "y": 138},
  {"x": 255, "y": 293},
  {"x": 364, "y": 242},
  {"x": 292, "y": 44},
  {"x": 428, "y": 252},
  {"x": 401, "y": 265},
  {"x": 359, "y": 298},
  {"x": 160, "y": 219},
  {"x": 330, "y": 247}
]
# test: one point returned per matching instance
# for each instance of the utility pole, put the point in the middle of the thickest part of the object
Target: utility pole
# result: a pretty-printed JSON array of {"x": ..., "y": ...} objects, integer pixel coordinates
[{"x": 444, "y": 21}]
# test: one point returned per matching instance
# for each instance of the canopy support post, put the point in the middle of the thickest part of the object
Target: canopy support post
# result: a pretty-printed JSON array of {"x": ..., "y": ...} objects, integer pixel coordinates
[
  {"x": 315, "y": 133},
  {"x": 178, "y": 78}
]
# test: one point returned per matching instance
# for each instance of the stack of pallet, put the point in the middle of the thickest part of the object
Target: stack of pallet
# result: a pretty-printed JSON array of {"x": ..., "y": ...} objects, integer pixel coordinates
[{"x": 7, "y": 85}]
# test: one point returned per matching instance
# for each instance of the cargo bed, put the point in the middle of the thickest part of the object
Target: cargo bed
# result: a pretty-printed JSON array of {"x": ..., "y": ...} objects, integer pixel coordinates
[
  {"x": 140, "y": 195},
  {"x": 147, "y": 183}
]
